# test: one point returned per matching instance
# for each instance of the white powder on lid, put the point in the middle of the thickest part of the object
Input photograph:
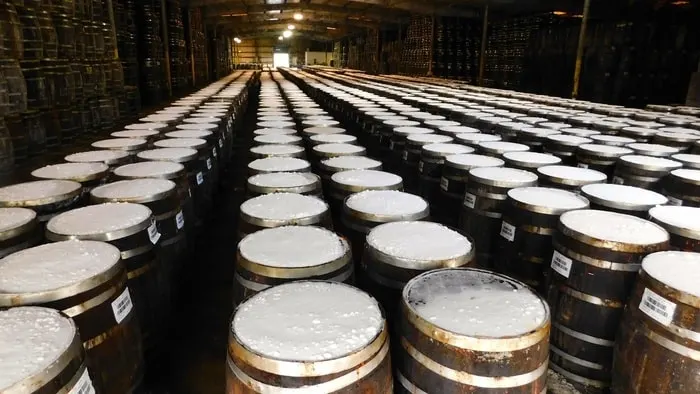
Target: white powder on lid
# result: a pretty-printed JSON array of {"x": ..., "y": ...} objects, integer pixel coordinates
[
  {"x": 37, "y": 190},
  {"x": 12, "y": 218},
  {"x": 573, "y": 173},
  {"x": 569, "y": 139},
  {"x": 292, "y": 247},
  {"x": 678, "y": 270},
  {"x": 472, "y": 161},
  {"x": 136, "y": 188},
  {"x": 166, "y": 154},
  {"x": 425, "y": 139},
  {"x": 274, "y": 131},
  {"x": 605, "y": 149},
  {"x": 194, "y": 143},
  {"x": 134, "y": 133},
  {"x": 117, "y": 143},
  {"x": 31, "y": 339},
  {"x": 651, "y": 161},
  {"x": 475, "y": 303},
  {"x": 276, "y": 149},
  {"x": 419, "y": 241},
  {"x": 548, "y": 198},
  {"x": 70, "y": 171},
  {"x": 681, "y": 217},
  {"x": 279, "y": 164},
  {"x": 366, "y": 178},
  {"x": 614, "y": 227},
  {"x": 146, "y": 126},
  {"x": 352, "y": 163},
  {"x": 652, "y": 148},
  {"x": 281, "y": 139},
  {"x": 686, "y": 174},
  {"x": 283, "y": 179},
  {"x": 503, "y": 146},
  {"x": 99, "y": 219},
  {"x": 157, "y": 118},
  {"x": 333, "y": 138},
  {"x": 345, "y": 149},
  {"x": 386, "y": 203},
  {"x": 410, "y": 130},
  {"x": 447, "y": 149},
  {"x": 687, "y": 158},
  {"x": 623, "y": 194},
  {"x": 503, "y": 174},
  {"x": 283, "y": 206},
  {"x": 532, "y": 157},
  {"x": 308, "y": 321},
  {"x": 96, "y": 156},
  {"x": 612, "y": 139},
  {"x": 324, "y": 130},
  {"x": 189, "y": 134},
  {"x": 55, "y": 265},
  {"x": 148, "y": 169}
]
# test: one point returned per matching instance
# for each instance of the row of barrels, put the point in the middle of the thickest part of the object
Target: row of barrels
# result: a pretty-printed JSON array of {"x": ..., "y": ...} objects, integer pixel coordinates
[
  {"x": 585, "y": 261},
  {"x": 94, "y": 249}
]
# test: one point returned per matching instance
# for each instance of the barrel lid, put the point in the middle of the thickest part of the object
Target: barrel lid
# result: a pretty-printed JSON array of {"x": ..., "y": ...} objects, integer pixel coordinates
[
  {"x": 425, "y": 139},
  {"x": 572, "y": 175},
  {"x": 688, "y": 160},
  {"x": 308, "y": 321},
  {"x": 189, "y": 134},
  {"x": 284, "y": 180},
  {"x": 32, "y": 340},
  {"x": 269, "y": 131},
  {"x": 405, "y": 131},
  {"x": 502, "y": 177},
  {"x": 656, "y": 150},
  {"x": 205, "y": 117},
  {"x": 78, "y": 172},
  {"x": 677, "y": 270},
  {"x": 567, "y": 140},
  {"x": 640, "y": 132},
  {"x": 585, "y": 226},
  {"x": 343, "y": 163},
  {"x": 309, "y": 111},
  {"x": 677, "y": 134},
  {"x": 319, "y": 123},
  {"x": 108, "y": 157},
  {"x": 537, "y": 131},
  {"x": 150, "y": 169},
  {"x": 161, "y": 118},
  {"x": 530, "y": 159},
  {"x": 283, "y": 207},
  {"x": 367, "y": 179},
  {"x": 177, "y": 155},
  {"x": 135, "y": 133},
  {"x": 453, "y": 130},
  {"x": 585, "y": 133},
  {"x": 443, "y": 150},
  {"x": 276, "y": 150},
  {"x": 99, "y": 222},
  {"x": 469, "y": 161},
  {"x": 386, "y": 206},
  {"x": 607, "y": 151},
  {"x": 293, "y": 247},
  {"x": 441, "y": 123},
  {"x": 317, "y": 117},
  {"x": 282, "y": 139},
  {"x": 554, "y": 125},
  {"x": 323, "y": 130},
  {"x": 500, "y": 147},
  {"x": 687, "y": 175},
  {"x": 425, "y": 245},
  {"x": 267, "y": 118},
  {"x": 650, "y": 162},
  {"x": 474, "y": 303},
  {"x": 400, "y": 123},
  {"x": 135, "y": 190},
  {"x": 126, "y": 144},
  {"x": 339, "y": 150},
  {"x": 475, "y": 139},
  {"x": 29, "y": 194},
  {"x": 156, "y": 126},
  {"x": 612, "y": 140},
  {"x": 628, "y": 198},
  {"x": 279, "y": 164},
  {"x": 547, "y": 200},
  {"x": 194, "y": 143},
  {"x": 683, "y": 221},
  {"x": 532, "y": 119},
  {"x": 54, "y": 266}
]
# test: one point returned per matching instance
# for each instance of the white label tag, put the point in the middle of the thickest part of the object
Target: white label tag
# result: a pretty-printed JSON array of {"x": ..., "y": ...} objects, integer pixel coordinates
[
  {"x": 444, "y": 183},
  {"x": 674, "y": 201},
  {"x": 83, "y": 385},
  {"x": 582, "y": 165},
  {"x": 208, "y": 164},
  {"x": 180, "y": 220},
  {"x": 561, "y": 264},
  {"x": 618, "y": 181},
  {"x": 405, "y": 155},
  {"x": 508, "y": 231},
  {"x": 213, "y": 152},
  {"x": 200, "y": 178},
  {"x": 221, "y": 142},
  {"x": 420, "y": 166},
  {"x": 153, "y": 233},
  {"x": 469, "y": 200},
  {"x": 657, "y": 307},
  {"x": 122, "y": 306}
]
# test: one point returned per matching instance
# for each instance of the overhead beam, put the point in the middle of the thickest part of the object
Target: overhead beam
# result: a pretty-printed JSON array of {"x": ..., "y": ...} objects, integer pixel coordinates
[
  {"x": 280, "y": 26},
  {"x": 334, "y": 24},
  {"x": 373, "y": 13}
]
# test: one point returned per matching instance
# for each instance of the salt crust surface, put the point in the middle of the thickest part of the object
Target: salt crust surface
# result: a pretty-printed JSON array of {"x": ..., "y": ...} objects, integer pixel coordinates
[
  {"x": 99, "y": 219},
  {"x": 624, "y": 194},
  {"x": 652, "y": 147},
  {"x": 422, "y": 241},
  {"x": 95, "y": 156},
  {"x": 69, "y": 170},
  {"x": 574, "y": 173},
  {"x": 148, "y": 169},
  {"x": 118, "y": 143},
  {"x": 504, "y": 145},
  {"x": 134, "y": 188},
  {"x": 189, "y": 134},
  {"x": 279, "y": 164},
  {"x": 283, "y": 179},
  {"x": 324, "y": 130},
  {"x": 651, "y": 161},
  {"x": 268, "y": 131},
  {"x": 532, "y": 157},
  {"x": 448, "y": 149},
  {"x": 31, "y": 339},
  {"x": 429, "y": 138},
  {"x": 548, "y": 197},
  {"x": 679, "y": 270},
  {"x": 283, "y": 206},
  {"x": 386, "y": 202},
  {"x": 572, "y": 139},
  {"x": 366, "y": 178},
  {"x": 333, "y": 138},
  {"x": 617, "y": 227},
  {"x": 166, "y": 153},
  {"x": 308, "y": 321},
  {"x": 56, "y": 265},
  {"x": 351, "y": 162},
  {"x": 292, "y": 247},
  {"x": 685, "y": 157},
  {"x": 683, "y": 217},
  {"x": 179, "y": 142},
  {"x": 459, "y": 129},
  {"x": 503, "y": 174},
  {"x": 412, "y": 130},
  {"x": 475, "y": 304},
  {"x": 613, "y": 150},
  {"x": 688, "y": 174},
  {"x": 474, "y": 160},
  {"x": 612, "y": 138},
  {"x": 276, "y": 149},
  {"x": 11, "y": 218},
  {"x": 277, "y": 139},
  {"x": 37, "y": 190},
  {"x": 339, "y": 148}
]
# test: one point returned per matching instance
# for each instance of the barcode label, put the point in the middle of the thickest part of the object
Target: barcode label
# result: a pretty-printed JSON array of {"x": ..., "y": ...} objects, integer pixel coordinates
[
  {"x": 444, "y": 183},
  {"x": 221, "y": 143},
  {"x": 618, "y": 181},
  {"x": 83, "y": 385},
  {"x": 180, "y": 220},
  {"x": 420, "y": 166},
  {"x": 200, "y": 178},
  {"x": 582, "y": 165},
  {"x": 657, "y": 307},
  {"x": 213, "y": 152},
  {"x": 469, "y": 200},
  {"x": 561, "y": 264},
  {"x": 674, "y": 201},
  {"x": 405, "y": 155},
  {"x": 122, "y": 306},
  {"x": 153, "y": 233},
  {"x": 208, "y": 164},
  {"x": 508, "y": 231}
]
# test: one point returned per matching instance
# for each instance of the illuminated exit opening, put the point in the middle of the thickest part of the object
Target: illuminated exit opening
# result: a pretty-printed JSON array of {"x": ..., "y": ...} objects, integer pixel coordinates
[{"x": 280, "y": 60}]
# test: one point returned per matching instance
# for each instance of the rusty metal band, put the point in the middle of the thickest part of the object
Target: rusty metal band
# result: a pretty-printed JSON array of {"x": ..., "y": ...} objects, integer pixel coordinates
[
  {"x": 379, "y": 345},
  {"x": 140, "y": 271},
  {"x": 577, "y": 378},
  {"x": 98, "y": 340},
  {"x": 582, "y": 336},
  {"x": 578, "y": 361},
  {"x": 92, "y": 302},
  {"x": 461, "y": 377},
  {"x": 301, "y": 272},
  {"x": 127, "y": 254},
  {"x": 536, "y": 230},
  {"x": 607, "y": 265},
  {"x": 256, "y": 286},
  {"x": 669, "y": 344},
  {"x": 591, "y": 299}
]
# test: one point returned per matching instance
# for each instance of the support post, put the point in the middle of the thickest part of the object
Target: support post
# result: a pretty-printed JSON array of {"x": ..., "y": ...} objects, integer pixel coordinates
[
  {"x": 206, "y": 52},
  {"x": 484, "y": 38},
  {"x": 191, "y": 46},
  {"x": 579, "y": 50},
  {"x": 110, "y": 10},
  {"x": 166, "y": 45},
  {"x": 432, "y": 46}
]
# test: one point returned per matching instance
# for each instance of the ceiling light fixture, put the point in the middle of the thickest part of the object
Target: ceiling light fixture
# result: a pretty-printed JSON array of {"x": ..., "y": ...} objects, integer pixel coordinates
[
  {"x": 330, "y": 28},
  {"x": 280, "y": 38},
  {"x": 298, "y": 16},
  {"x": 290, "y": 27},
  {"x": 236, "y": 40},
  {"x": 286, "y": 34}
]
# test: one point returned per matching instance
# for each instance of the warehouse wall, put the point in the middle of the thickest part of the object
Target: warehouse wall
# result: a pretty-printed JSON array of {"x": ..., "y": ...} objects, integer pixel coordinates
[
  {"x": 254, "y": 50},
  {"x": 318, "y": 57}
]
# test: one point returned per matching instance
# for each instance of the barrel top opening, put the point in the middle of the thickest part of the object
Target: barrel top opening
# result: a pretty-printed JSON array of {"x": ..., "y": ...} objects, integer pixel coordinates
[
  {"x": 441, "y": 149},
  {"x": 532, "y": 157},
  {"x": 277, "y": 139},
  {"x": 658, "y": 162},
  {"x": 614, "y": 227},
  {"x": 308, "y": 321},
  {"x": 176, "y": 154},
  {"x": 133, "y": 189},
  {"x": 292, "y": 247},
  {"x": 678, "y": 270},
  {"x": 276, "y": 149},
  {"x": 279, "y": 164},
  {"x": 12, "y": 218},
  {"x": 70, "y": 171},
  {"x": 503, "y": 174},
  {"x": 386, "y": 203},
  {"x": 283, "y": 179},
  {"x": 352, "y": 163},
  {"x": 429, "y": 139},
  {"x": 419, "y": 241},
  {"x": 366, "y": 178},
  {"x": 605, "y": 149},
  {"x": 687, "y": 218},
  {"x": 96, "y": 156},
  {"x": 339, "y": 148},
  {"x": 98, "y": 219},
  {"x": 38, "y": 190},
  {"x": 148, "y": 169},
  {"x": 548, "y": 197},
  {"x": 283, "y": 206},
  {"x": 573, "y": 173},
  {"x": 622, "y": 194}
]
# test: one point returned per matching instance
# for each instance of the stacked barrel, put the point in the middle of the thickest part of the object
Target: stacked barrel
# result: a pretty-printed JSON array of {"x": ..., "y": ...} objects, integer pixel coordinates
[{"x": 87, "y": 309}]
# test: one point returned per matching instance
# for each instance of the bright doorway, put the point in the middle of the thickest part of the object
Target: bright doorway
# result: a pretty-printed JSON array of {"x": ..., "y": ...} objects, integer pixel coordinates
[{"x": 280, "y": 60}]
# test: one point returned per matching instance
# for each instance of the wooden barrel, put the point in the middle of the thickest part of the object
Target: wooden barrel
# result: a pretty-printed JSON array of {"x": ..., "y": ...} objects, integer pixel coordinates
[
  {"x": 682, "y": 223},
  {"x": 278, "y": 164},
  {"x": 498, "y": 148},
  {"x": 133, "y": 230},
  {"x": 534, "y": 137},
  {"x": 89, "y": 175},
  {"x": 530, "y": 218},
  {"x": 399, "y": 251},
  {"x": 279, "y": 255},
  {"x": 688, "y": 160},
  {"x": 430, "y": 170},
  {"x": 322, "y": 152},
  {"x": 282, "y": 209},
  {"x": 308, "y": 132},
  {"x": 86, "y": 281},
  {"x": 47, "y": 198},
  {"x": 529, "y": 161},
  {"x": 468, "y": 330},
  {"x": 277, "y": 139},
  {"x": 682, "y": 187},
  {"x": 341, "y": 343},
  {"x": 20, "y": 230},
  {"x": 622, "y": 199},
  {"x": 110, "y": 157},
  {"x": 600, "y": 157},
  {"x": 656, "y": 348},
  {"x": 207, "y": 177},
  {"x": 682, "y": 139},
  {"x": 593, "y": 268},
  {"x": 639, "y": 134},
  {"x": 568, "y": 177},
  {"x": 328, "y": 167},
  {"x": 654, "y": 150},
  {"x": 385, "y": 134},
  {"x": 44, "y": 353},
  {"x": 222, "y": 132},
  {"x": 412, "y": 154},
  {"x": 564, "y": 146},
  {"x": 643, "y": 171},
  {"x": 611, "y": 140},
  {"x": 217, "y": 150},
  {"x": 397, "y": 145},
  {"x": 345, "y": 183},
  {"x": 131, "y": 146},
  {"x": 277, "y": 150},
  {"x": 365, "y": 210},
  {"x": 453, "y": 183}
]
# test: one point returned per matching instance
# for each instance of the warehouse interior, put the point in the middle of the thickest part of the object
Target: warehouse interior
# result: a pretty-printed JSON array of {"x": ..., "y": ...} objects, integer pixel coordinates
[{"x": 349, "y": 196}]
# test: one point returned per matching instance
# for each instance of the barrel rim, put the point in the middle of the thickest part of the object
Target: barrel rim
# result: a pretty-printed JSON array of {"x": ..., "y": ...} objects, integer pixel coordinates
[
  {"x": 180, "y": 159},
  {"x": 105, "y": 236},
  {"x": 305, "y": 221},
  {"x": 135, "y": 200},
  {"x": 24, "y": 228},
  {"x": 673, "y": 229},
  {"x": 380, "y": 218},
  {"x": 168, "y": 176},
  {"x": 627, "y": 206},
  {"x": 46, "y": 200},
  {"x": 399, "y": 262},
  {"x": 505, "y": 184},
  {"x": 127, "y": 148},
  {"x": 80, "y": 179}
]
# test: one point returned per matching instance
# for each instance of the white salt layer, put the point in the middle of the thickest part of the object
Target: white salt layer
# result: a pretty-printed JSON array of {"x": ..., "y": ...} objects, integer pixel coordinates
[
  {"x": 503, "y": 174},
  {"x": 386, "y": 203},
  {"x": 472, "y": 160},
  {"x": 614, "y": 227},
  {"x": 117, "y": 143},
  {"x": 148, "y": 169},
  {"x": 447, "y": 149},
  {"x": 283, "y": 206},
  {"x": 429, "y": 139},
  {"x": 623, "y": 194},
  {"x": 532, "y": 157},
  {"x": 682, "y": 217},
  {"x": 333, "y": 138},
  {"x": 419, "y": 241},
  {"x": 31, "y": 340},
  {"x": 54, "y": 266},
  {"x": 366, "y": 178},
  {"x": 281, "y": 139},
  {"x": 135, "y": 133},
  {"x": 276, "y": 149},
  {"x": 96, "y": 156},
  {"x": 70, "y": 171},
  {"x": 292, "y": 247},
  {"x": 504, "y": 146},
  {"x": 548, "y": 198},
  {"x": 687, "y": 174},
  {"x": 37, "y": 190},
  {"x": 166, "y": 154},
  {"x": 605, "y": 149},
  {"x": 279, "y": 164},
  {"x": 12, "y": 218},
  {"x": 135, "y": 188},
  {"x": 99, "y": 219},
  {"x": 352, "y": 163},
  {"x": 283, "y": 179},
  {"x": 308, "y": 321},
  {"x": 573, "y": 173},
  {"x": 189, "y": 134},
  {"x": 475, "y": 303},
  {"x": 678, "y": 270},
  {"x": 344, "y": 149},
  {"x": 194, "y": 143},
  {"x": 146, "y": 126}
]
